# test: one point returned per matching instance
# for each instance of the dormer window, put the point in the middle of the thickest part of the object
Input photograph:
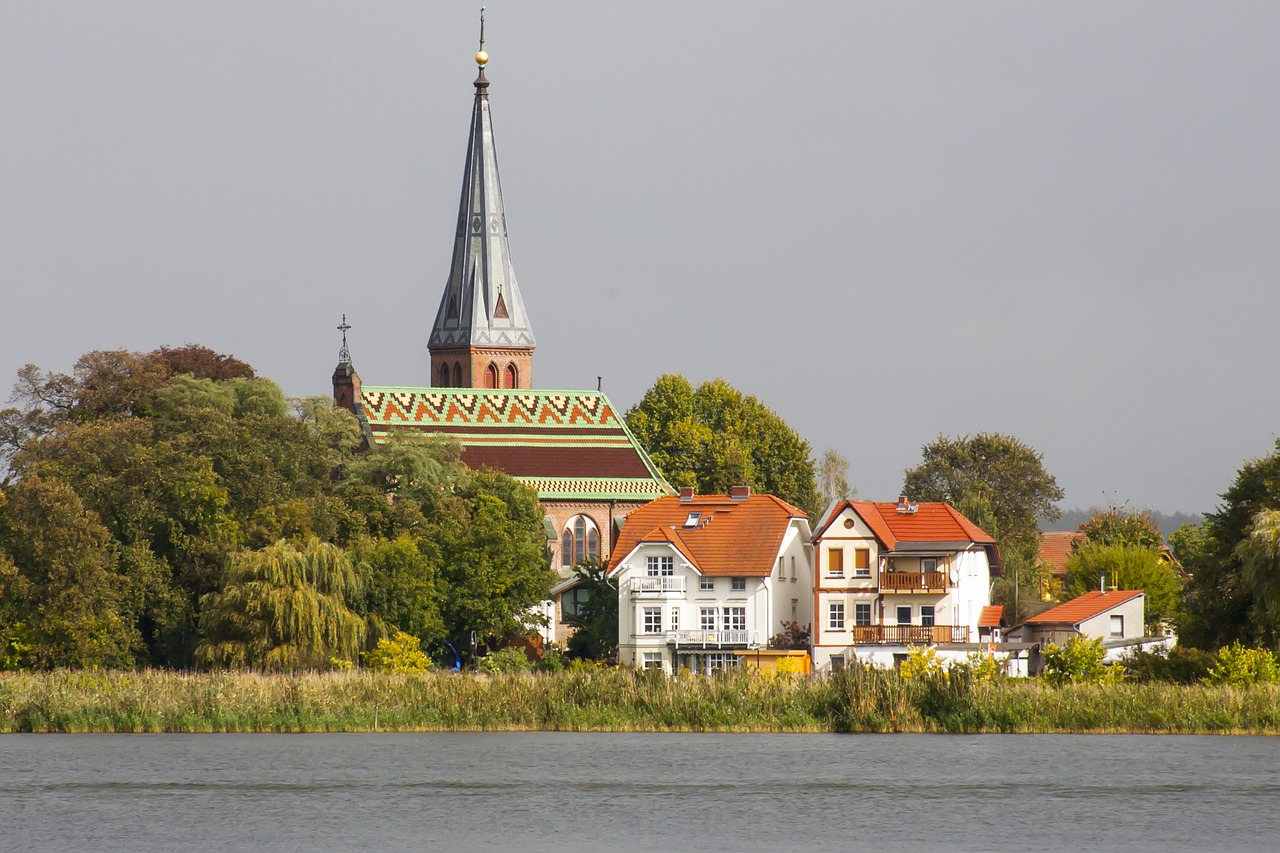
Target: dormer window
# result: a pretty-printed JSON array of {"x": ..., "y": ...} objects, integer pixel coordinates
[{"x": 693, "y": 519}]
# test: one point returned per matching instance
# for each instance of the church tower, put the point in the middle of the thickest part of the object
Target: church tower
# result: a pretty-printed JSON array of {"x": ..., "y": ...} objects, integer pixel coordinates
[{"x": 481, "y": 337}]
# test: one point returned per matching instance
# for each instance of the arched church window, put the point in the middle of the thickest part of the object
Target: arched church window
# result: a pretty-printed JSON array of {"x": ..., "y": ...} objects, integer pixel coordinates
[
  {"x": 491, "y": 376},
  {"x": 444, "y": 376},
  {"x": 513, "y": 378},
  {"x": 580, "y": 541},
  {"x": 457, "y": 375}
]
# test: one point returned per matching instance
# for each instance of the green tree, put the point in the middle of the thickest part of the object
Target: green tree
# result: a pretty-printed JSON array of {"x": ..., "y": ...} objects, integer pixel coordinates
[
  {"x": 1000, "y": 471},
  {"x": 60, "y": 582},
  {"x": 1118, "y": 526},
  {"x": 596, "y": 621},
  {"x": 1259, "y": 556},
  {"x": 400, "y": 588},
  {"x": 494, "y": 566},
  {"x": 1221, "y": 598},
  {"x": 201, "y": 363},
  {"x": 282, "y": 609},
  {"x": 1126, "y": 566},
  {"x": 1077, "y": 662},
  {"x": 714, "y": 437}
]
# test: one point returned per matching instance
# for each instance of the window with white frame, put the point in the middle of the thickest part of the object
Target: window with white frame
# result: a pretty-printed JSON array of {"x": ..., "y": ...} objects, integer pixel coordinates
[
  {"x": 738, "y": 585},
  {"x": 862, "y": 613},
  {"x": 782, "y": 568},
  {"x": 928, "y": 565},
  {"x": 706, "y": 584},
  {"x": 904, "y": 614},
  {"x": 837, "y": 663},
  {"x": 835, "y": 615},
  {"x": 660, "y": 566},
  {"x": 735, "y": 618},
  {"x": 707, "y": 618},
  {"x": 652, "y": 660},
  {"x": 862, "y": 562},
  {"x": 1117, "y": 625},
  {"x": 675, "y": 618},
  {"x": 579, "y": 542},
  {"x": 793, "y": 568},
  {"x": 717, "y": 661},
  {"x": 926, "y": 615},
  {"x": 653, "y": 620}
]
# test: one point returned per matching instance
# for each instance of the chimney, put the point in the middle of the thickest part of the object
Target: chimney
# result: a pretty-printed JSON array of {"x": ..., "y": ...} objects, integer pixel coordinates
[
  {"x": 902, "y": 503},
  {"x": 686, "y": 494},
  {"x": 740, "y": 493}
]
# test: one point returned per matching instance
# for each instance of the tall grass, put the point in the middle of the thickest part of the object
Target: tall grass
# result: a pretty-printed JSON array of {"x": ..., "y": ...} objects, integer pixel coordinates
[{"x": 857, "y": 700}]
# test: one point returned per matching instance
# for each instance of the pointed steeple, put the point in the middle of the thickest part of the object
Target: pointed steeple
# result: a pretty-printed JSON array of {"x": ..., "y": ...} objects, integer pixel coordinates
[{"x": 481, "y": 336}]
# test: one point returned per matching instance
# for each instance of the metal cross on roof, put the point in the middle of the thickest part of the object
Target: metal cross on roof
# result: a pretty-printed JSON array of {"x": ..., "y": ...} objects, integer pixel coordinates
[{"x": 344, "y": 354}]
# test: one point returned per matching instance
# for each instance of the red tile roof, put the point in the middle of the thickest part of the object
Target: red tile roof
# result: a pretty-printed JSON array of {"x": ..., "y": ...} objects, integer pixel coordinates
[
  {"x": 1077, "y": 610},
  {"x": 733, "y": 537},
  {"x": 931, "y": 522},
  {"x": 992, "y": 616},
  {"x": 1055, "y": 548}
]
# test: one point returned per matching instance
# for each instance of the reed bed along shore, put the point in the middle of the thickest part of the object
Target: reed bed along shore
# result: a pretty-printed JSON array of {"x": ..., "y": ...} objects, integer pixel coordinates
[{"x": 614, "y": 700}]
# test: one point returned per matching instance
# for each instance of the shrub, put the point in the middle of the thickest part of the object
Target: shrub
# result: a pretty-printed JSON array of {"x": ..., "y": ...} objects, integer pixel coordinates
[
  {"x": 921, "y": 662},
  {"x": 1180, "y": 665},
  {"x": 510, "y": 659},
  {"x": 1077, "y": 662},
  {"x": 553, "y": 660},
  {"x": 401, "y": 653},
  {"x": 984, "y": 667},
  {"x": 1242, "y": 667}
]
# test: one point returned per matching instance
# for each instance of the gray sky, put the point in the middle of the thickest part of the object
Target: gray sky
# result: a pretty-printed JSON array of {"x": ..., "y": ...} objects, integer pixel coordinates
[{"x": 886, "y": 220}]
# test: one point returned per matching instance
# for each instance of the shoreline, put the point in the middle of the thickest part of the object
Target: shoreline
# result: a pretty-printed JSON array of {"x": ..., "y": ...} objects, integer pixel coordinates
[{"x": 615, "y": 700}]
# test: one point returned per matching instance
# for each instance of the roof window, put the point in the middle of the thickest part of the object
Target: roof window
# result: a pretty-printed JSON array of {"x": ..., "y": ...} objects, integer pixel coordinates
[{"x": 693, "y": 519}]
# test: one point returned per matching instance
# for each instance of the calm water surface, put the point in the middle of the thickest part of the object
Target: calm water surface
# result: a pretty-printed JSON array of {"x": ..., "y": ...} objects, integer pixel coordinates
[{"x": 576, "y": 792}]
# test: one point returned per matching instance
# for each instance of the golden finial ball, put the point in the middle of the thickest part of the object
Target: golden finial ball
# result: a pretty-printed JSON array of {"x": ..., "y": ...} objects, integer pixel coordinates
[{"x": 481, "y": 57}]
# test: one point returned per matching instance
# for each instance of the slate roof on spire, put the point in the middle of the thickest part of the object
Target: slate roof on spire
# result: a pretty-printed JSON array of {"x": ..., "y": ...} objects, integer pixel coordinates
[{"x": 481, "y": 305}]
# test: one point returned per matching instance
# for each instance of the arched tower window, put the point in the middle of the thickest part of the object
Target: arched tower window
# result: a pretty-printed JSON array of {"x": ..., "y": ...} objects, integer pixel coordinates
[
  {"x": 457, "y": 375},
  {"x": 512, "y": 377},
  {"x": 444, "y": 376},
  {"x": 579, "y": 542},
  {"x": 491, "y": 376}
]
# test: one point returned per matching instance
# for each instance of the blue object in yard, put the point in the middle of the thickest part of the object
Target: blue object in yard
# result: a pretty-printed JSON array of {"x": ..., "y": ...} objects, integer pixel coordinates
[{"x": 457, "y": 658}]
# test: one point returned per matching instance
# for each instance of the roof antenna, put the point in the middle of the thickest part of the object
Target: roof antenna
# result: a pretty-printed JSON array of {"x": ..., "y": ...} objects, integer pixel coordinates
[{"x": 599, "y": 384}]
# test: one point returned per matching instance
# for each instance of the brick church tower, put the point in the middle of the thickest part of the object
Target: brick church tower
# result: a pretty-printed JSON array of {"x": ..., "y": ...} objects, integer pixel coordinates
[{"x": 481, "y": 337}]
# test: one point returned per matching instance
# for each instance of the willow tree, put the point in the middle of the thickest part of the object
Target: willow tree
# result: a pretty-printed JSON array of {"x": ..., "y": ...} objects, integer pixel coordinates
[
  {"x": 281, "y": 608},
  {"x": 1259, "y": 554}
]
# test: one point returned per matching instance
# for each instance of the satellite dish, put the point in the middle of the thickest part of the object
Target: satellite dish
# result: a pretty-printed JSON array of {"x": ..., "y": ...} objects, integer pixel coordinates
[{"x": 955, "y": 575}]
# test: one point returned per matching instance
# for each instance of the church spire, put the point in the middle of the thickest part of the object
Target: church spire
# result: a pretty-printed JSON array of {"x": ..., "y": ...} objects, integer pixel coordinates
[{"x": 481, "y": 336}]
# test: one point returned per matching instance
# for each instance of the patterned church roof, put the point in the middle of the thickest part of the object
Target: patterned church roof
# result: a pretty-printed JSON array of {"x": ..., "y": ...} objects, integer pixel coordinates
[{"x": 567, "y": 445}]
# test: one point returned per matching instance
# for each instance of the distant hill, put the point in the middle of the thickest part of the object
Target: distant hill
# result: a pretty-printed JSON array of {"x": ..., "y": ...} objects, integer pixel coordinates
[{"x": 1073, "y": 518}]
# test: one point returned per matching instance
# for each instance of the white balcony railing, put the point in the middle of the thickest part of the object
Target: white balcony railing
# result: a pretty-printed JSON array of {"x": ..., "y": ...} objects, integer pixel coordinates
[
  {"x": 657, "y": 586},
  {"x": 735, "y": 637}
]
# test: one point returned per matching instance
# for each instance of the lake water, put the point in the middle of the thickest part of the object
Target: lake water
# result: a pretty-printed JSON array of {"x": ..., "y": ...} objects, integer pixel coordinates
[{"x": 630, "y": 792}]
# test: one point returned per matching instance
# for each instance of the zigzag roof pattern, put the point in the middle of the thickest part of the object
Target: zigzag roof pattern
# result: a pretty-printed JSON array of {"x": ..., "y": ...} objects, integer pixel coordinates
[{"x": 566, "y": 445}]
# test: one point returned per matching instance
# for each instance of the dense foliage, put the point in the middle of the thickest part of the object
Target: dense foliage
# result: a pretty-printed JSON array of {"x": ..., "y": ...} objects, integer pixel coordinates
[
  {"x": 153, "y": 505},
  {"x": 1232, "y": 558},
  {"x": 714, "y": 437},
  {"x": 995, "y": 480}
]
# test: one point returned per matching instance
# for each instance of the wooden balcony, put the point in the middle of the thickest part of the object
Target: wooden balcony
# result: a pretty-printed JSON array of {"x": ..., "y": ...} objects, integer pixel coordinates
[
  {"x": 934, "y": 582},
  {"x": 919, "y": 635}
]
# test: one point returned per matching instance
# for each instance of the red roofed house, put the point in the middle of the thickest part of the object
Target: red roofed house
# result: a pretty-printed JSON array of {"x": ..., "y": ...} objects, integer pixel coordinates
[
  {"x": 703, "y": 577},
  {"x": 888, "y": 576},
  {"x": 1056, "y": 547},
  {"x": 1116, "y": 617}
]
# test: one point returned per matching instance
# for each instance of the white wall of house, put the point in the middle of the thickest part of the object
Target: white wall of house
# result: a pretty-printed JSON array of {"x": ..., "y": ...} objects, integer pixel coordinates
[
  {"x": 967, "y": 591},
  {"x": 1125, "y": 621},
  {"x": 680, "y": 603}
]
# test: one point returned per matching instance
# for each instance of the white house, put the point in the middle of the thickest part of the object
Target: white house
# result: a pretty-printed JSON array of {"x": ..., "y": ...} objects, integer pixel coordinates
[
  {"x": 701, "y": 577},
  {"x": 1116, "y": 617},
  {"x": 890, "y": 576}
]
